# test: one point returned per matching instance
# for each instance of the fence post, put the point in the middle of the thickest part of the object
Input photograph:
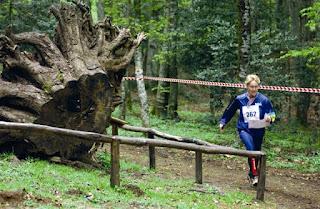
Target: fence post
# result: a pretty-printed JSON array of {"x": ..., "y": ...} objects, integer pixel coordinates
[
  {"x": 152, "y": 153},
  {"x": 198, "y": 167},
  {"x": 115, "y": 159},
  {"x": 262, "y": 178}
]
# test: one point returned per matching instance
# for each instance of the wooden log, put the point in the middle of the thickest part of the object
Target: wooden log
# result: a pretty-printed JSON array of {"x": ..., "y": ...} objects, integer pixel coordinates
[
  {"x": 165, "y": 135},
  {"x": 152, "y": 154},
  {"x": 262, "y": 178},
  {"x": 139, "y": 141},
  {"x": 198, "y": 167},
  {"x": 118, "y": 121},
  {"x": 30, "y": 129},
  {"x": 34, "y": 129},
  {"x": 115, "y": 163},
  {"x": 134, "y": 128}
]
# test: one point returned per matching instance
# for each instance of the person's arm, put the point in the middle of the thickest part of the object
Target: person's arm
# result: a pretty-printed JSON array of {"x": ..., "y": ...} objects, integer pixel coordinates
[
  {"x": 271, "y": 115},
  {"x": 229, "y": 113}
]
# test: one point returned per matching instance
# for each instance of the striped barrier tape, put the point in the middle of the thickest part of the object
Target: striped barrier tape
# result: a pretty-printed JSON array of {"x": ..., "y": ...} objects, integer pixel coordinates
[{"x": 232, "y": 85}]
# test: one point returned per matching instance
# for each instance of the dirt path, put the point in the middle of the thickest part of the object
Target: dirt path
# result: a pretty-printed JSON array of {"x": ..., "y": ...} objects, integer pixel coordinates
[{"x": 285, "y": 188}]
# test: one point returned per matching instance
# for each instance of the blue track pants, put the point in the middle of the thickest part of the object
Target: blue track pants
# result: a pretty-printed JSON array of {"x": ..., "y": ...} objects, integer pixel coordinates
[{"x": 252, "y": 139}]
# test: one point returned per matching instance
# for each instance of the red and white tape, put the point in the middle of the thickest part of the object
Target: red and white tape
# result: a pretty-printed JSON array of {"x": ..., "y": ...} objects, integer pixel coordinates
[{"x": 232, "y": 85}]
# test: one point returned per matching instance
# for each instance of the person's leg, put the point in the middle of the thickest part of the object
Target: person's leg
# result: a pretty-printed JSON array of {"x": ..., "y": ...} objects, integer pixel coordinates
[
  {"x": 257, "y": 136},
  {"x": 247, "y": 140}
]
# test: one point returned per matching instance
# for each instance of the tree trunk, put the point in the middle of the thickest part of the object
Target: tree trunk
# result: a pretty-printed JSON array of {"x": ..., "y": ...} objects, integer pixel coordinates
[
  {"x": 100, "y": 5},
  {"x": 282, "y": 15},
  {"x": 150, "y": 64},
  {"x": 303, "y": 75},
  {"x": 10, "y": 11},
  {"x": 162, "y": 92},
  {"x": 173, "y": 72},
  {"x": 244, "y": 37},
  {"x": 173, "y": 98},
  {"x": 163, "y": 89},
  {"x": 123, "y": 109},
  {"x": 313, "y": 116},
  {"x": 141, "y": 88},
  {"x": 71, "y": 82},
  {"x": 97, "y": 10}
]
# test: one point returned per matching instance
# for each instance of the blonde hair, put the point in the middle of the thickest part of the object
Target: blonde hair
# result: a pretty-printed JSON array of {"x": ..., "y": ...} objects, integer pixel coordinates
[{"x": 252, "y": 77}]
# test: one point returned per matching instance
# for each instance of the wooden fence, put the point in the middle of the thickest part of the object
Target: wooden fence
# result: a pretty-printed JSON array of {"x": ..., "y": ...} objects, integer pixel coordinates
[{"x": 198, "y": 146}]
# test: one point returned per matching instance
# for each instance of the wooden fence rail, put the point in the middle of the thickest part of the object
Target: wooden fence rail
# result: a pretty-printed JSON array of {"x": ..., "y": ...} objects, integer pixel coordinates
[{"x": 115, "y": 141}]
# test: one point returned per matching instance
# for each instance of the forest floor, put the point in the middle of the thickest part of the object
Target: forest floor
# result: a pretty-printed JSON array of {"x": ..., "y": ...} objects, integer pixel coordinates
[{"x": 285, "y": 188}]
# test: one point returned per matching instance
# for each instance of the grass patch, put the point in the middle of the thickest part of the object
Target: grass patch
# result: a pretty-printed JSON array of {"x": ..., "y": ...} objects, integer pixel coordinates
[{"x": 68, "y": 187}]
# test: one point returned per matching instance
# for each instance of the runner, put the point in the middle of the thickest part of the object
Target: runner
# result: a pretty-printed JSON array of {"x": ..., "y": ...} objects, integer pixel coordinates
[{"x": 256, "y": 113}]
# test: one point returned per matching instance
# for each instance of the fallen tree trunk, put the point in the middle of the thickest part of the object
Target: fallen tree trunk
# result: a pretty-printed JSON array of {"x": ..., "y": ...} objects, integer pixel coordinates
[
  {"x": 123, "y": 125},
  {"x": 70, "y": 82}
]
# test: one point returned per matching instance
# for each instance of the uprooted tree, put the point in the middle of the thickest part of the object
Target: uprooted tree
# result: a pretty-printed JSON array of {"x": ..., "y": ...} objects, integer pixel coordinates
[{"x": 72, "y": 81}]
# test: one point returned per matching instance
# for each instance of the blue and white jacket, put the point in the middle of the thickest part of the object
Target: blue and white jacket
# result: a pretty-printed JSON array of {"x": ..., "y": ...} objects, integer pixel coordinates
[{"x": 260, "y": 106}]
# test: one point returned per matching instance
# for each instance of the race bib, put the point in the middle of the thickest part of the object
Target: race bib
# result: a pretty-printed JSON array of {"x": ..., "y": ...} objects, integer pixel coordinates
[{"x": 251, "y": 112}]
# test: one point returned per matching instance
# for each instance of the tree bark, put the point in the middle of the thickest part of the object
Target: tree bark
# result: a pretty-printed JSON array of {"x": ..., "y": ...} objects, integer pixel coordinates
[
  {"x": 141, "y": 88},
  {"x": 123, "y": 106},
  {"x": 163, "y": 89},
  {"x": 100, "y": 5},
  {"x": 314, "y": 112},
  {"x": 162, "y": 92},
  {"x": 71, "y": 82},
  {"x": 10, "y": 11},
  {"x": 138, "y": 60},
  {"x": 173, "y": 72}
]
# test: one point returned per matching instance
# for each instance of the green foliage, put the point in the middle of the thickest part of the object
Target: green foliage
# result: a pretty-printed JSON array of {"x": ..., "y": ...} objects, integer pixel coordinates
[
  {"x": 60, "y": 76},
  {"x": 312, "y": 51},
  {"x": 313, "y": 15},
  {"x": 47, "y": 87},
  {"x": 147, "y": 20},
  {"x": 207, "y": 46},
  {"x": 27, "y": 15}
]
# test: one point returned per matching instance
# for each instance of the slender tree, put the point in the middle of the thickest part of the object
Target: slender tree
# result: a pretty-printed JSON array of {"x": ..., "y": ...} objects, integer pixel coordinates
[
  {"x": 244, "y": 36},
  {"x": 97, "y": 10},
  {"x": 173, "y": 69},
  {"x": 163, "y": 87},
  {"x": 138, "y": 59}
]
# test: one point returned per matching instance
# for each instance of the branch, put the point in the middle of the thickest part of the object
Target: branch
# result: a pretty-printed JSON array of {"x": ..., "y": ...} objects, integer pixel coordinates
[
  {"x": 56, "y": 13},
  {"x": 114, "y": 64},
  {"x": 123, "y": 34},
  {"x": 139, "y": 39},
  {"x": 7, "y": 46},
  {"x": 14, "y": 115},
  {"x": 46, "y": 47},
  {"x": 24, "y": 95}
]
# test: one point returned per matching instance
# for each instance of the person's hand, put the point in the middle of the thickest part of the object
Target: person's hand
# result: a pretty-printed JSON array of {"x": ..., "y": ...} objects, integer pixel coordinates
[
  {"x": 268, "y": 119},
  {"x": 221, "y": 127}
]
